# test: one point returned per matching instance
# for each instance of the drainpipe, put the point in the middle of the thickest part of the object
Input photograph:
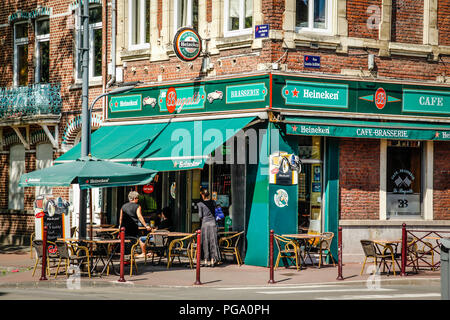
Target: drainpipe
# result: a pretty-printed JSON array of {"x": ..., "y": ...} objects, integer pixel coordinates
[{"x": 113, "y": 44}]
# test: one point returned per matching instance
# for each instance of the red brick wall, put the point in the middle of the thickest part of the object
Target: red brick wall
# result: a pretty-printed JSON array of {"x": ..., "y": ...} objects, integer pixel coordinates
[
  {"x": 359, "y": 178},
  {"x": 358, "y": 17},
  {"x": 407, "y": 21},
  {"x": 444, "y": 22},
  {"x": 441, "y": 179}
]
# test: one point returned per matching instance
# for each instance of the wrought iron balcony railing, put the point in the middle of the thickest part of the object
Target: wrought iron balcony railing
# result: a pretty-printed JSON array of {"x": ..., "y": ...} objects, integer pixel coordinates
[{"x": 35, "y": 99}]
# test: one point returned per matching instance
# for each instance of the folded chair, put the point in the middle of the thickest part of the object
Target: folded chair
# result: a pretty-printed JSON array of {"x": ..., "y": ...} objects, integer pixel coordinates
[{"x": 325, "y": 247}]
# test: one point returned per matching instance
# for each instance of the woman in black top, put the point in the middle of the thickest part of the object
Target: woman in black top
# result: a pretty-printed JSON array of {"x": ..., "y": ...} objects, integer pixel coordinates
[
  {"x": 206, "y": 210},
  {"x": 130, "y": 215}
]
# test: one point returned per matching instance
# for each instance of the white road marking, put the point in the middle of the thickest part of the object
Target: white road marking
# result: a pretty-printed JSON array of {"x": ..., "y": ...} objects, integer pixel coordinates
[
  {"x": 326, "y": 291},
  {"x": 385, "y": 296}
]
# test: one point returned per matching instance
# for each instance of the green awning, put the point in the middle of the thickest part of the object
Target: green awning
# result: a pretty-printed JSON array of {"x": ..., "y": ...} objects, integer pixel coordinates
[
  {"x": 366, "y": 129},
  {"x": 166, "y": 146}
]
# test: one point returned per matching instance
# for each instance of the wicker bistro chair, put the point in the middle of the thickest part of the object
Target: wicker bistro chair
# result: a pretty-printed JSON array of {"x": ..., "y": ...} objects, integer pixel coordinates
[
  {"x": 230, "y": 246},
  {"x": 74, "y": 253},
  {"x": 287, "y": 250},
  {"x": 131, "y": 249},
  {"x": 181, "y": 247},
  {"x": 324, "y": 247},
  {"x": 425, "y": 250},
  {"x": 157, "y": 246},
  {"x": 37, "y": 245},
  {"x": 371, "y": 251}
]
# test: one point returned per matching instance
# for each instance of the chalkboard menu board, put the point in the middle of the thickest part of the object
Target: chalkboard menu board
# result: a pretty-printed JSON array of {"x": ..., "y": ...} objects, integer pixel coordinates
[{"x": 53, "y": 214}]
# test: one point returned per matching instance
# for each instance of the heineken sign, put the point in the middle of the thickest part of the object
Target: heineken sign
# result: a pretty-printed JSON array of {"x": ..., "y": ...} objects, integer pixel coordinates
[
  {"x": 366, "y": 132},
  {"x": 187, "y": 44},
  {"x": 315, "y": 94},
  {"x": 126, "y": 103},
  {"x": 426, "y": 101}
]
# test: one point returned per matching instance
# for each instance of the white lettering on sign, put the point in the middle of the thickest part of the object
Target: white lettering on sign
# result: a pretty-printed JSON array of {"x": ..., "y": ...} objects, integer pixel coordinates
[
  {"x": 431, "y": 101},
  {"x": 318, "y": 130},
  {"x": 368, "y": 132},
  {"x": 245, "y": 93},
  {"x": 446, "y": 135},
  {"x": 131, "y": 103},
  {"x": 313, "y": 94}
]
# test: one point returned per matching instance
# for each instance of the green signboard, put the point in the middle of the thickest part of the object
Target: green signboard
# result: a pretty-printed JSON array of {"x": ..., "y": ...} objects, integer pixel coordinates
[
  {"x": 126, "y": 103},
  {"x": 426, "y": 101},
  {"x": 366, "y": 132},
  {"x": 318, "y": 94},
  {"x": 188, "y": 98},
  {"x": 251, "y": 92}
]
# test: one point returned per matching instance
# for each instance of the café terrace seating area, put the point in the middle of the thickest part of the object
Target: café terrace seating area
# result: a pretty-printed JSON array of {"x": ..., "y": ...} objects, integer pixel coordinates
[{"x": 99, "y": 255}]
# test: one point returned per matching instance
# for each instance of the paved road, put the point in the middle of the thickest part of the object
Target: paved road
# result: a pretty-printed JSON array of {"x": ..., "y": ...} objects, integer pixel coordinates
[{"x": 349, "y": 291}]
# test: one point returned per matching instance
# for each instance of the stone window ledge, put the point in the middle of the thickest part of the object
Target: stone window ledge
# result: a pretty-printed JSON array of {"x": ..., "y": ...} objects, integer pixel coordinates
[{"x": 394, "y": 223}]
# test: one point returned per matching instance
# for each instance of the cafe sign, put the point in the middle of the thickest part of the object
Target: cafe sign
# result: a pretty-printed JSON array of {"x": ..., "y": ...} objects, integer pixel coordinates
[
  {"x": 315, "y": 94},
  {"x": 187, "y": 98},
  {"x": 426, "y": 101},
  {"x": 366, "y": 132},
  {"x": 250, "y": 92}
]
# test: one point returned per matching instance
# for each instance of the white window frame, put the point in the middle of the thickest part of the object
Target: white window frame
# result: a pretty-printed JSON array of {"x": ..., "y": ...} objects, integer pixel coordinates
[
  {"x": 142, "y": 10},
  {"x": 241, "y": 31},
  {"x": 16, "y": 169},
  {"x": 92, "y": 27},
  {"x": 17, "y": 42},
  {"x": 328, "y": 18},
  {"x": 42, "y": 150},
  {"x": 177, "y": 14},
  {"x": 38, "y": 40}
]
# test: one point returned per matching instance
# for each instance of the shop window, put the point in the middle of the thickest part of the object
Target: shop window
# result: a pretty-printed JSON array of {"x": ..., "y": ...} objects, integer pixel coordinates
[
  {"x": 21, "y": 54},
  {"x": 238, "y": 17},
  {"x": 310, "y": 184},
  {"x": 404, "y": 179},
  {"x": 313, "y": 15},
  {"x": 16, "y": 169},
  {"x": 95, "y": 44},
  {"x": 185, "y": 14},
  {"x": 44, "y": 159},
  {"x": 139, "y": 24},
  {"x": 42, "y": 70}
]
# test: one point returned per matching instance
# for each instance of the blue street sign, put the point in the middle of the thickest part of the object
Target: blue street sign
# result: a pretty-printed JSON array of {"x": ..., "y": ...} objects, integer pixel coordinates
[
  {"x": 262, "y": 31},
  {"x": 311, "y": 62}
]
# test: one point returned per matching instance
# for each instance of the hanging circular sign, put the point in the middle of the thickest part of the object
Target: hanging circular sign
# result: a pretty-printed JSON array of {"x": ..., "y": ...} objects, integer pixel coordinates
[
  {"x": 148, "y": 188},
  {"x": 187, "y": 44},
  {"x": 380, "y": 98}
]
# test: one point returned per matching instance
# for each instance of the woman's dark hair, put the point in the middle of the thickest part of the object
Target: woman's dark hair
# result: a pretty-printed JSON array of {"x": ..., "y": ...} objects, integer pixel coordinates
[
  {"x": 204, "y": 192},
  {"x": 167, "y": 212}
]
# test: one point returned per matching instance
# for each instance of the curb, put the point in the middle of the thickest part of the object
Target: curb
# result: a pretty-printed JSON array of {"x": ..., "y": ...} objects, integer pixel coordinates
[{"x": 99, "y": 284}]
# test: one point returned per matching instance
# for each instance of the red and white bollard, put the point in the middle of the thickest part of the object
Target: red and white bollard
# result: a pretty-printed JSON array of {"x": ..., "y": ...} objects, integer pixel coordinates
[
  {"x": 199, "y": 249},
  {"x": 44, "y": 255},
  {"x": 122, "y": 252}
]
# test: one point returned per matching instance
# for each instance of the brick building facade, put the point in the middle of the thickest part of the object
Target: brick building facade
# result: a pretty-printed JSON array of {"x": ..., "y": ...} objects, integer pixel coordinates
[{"x": 408, "y": 41}]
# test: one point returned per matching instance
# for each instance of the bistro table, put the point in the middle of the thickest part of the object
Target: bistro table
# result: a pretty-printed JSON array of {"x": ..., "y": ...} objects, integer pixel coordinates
[
  {"x": 303, "y": 239},
  {"x": 103, "y": 244}
]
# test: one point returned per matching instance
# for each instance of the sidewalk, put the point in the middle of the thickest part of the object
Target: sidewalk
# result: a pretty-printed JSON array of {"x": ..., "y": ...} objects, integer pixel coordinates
[{"x": 16, "y": 267}]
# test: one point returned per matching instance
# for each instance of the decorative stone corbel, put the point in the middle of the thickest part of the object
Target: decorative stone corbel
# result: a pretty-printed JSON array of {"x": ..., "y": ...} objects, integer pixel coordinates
[
  {"x": 53, "y": 138},
  {"x": 25, "y": 140}
]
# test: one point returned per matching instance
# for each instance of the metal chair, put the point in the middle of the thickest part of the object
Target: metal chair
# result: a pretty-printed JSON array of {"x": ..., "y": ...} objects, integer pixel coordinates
[
  {"x": 230, "y": 246},
  {"x": 181, "y": 247},
  {"x": 288, "y": 250},
  {"x": 74, "y": 253},
  {"x": 157, "y": 246},
  {"x": 371, "y": 251},
  {"x": 37, "y": 245},
  {"x": 325, "y": 247}
]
